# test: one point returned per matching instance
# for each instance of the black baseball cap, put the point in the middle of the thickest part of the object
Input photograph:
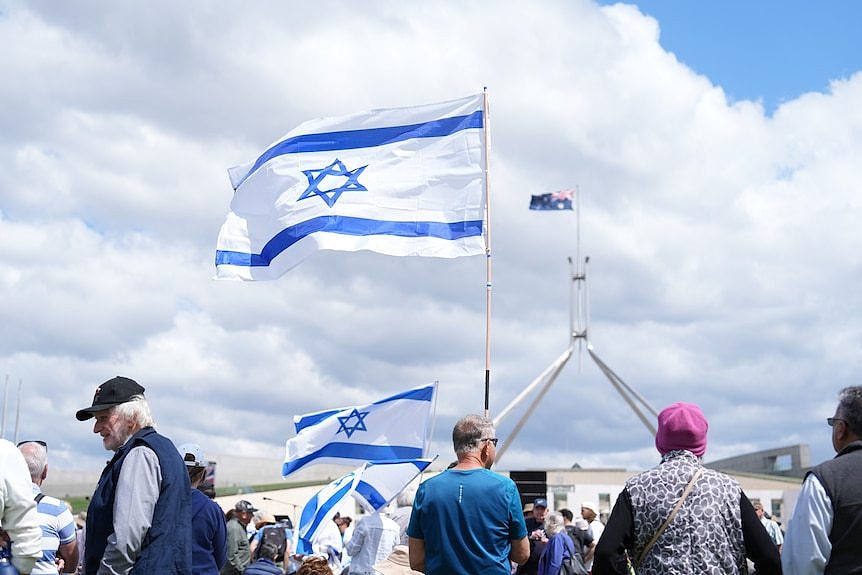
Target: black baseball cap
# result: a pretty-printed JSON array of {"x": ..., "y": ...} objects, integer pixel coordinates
[
  {"x": 243, "y": 505},
  {"x": 113, "y": 392}
]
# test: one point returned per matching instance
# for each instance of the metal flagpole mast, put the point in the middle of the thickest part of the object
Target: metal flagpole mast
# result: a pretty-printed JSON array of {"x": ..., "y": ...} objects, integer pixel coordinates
[
  {"x": 488, "y": 275},
  {"x": 579, "y": 278}
]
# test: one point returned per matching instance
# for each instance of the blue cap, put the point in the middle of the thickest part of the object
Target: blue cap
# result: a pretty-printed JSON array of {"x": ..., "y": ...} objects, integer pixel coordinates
[{"x": 540, "y": 502}]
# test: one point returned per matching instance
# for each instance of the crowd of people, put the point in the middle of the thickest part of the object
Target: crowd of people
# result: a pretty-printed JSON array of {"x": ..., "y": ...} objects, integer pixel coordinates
[{"x": 147, "y": 515}]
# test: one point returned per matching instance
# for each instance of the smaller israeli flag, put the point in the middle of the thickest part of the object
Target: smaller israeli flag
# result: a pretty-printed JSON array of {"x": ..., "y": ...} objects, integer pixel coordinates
[
  {"x": 382, "y": 481},
  {"x": 396, "y": 427},
  {"x": 322, "y": 507},
  {"x": 373, "y": 485}
]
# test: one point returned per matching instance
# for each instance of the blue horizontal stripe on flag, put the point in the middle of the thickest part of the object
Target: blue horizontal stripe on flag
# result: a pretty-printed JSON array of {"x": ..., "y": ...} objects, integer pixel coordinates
[
  {"x": 359, "y": 451},
  {"x": 371, "y": 495},
  {"x": 352, "y": 139},
  {"x": 421, "y": 394},
  {"x": 348, "y": 226}
]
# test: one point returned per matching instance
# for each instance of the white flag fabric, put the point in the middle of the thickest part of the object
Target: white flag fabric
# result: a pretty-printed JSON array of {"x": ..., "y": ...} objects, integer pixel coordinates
[
  {"x": 400, "y": 181},
  {"x": 396, "y": 427},
  {"x": 322, "y": 507},
  {"x": 373, "y": 485},
  {"x": 382, "y": 481}
]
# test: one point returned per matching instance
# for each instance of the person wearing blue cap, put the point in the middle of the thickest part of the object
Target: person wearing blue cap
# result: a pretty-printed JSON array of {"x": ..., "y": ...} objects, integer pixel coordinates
[{"x": 537, "y": 536}]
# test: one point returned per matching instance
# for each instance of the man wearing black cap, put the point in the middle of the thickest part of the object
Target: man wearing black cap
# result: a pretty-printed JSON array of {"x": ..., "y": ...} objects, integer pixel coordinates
[
  {"x": 138, "y": 520},
  {"x": 238, "y": 552}
]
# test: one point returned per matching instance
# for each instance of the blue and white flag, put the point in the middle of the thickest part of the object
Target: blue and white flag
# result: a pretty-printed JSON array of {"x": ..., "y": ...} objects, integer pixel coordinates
[
  {"x": 373, "y": 485},
  {"x": 322, "y": 507},
  {"x": 396, "y": 427},
  {"x": 401, "y": 181},
  {"x": 382, "y": 481}
]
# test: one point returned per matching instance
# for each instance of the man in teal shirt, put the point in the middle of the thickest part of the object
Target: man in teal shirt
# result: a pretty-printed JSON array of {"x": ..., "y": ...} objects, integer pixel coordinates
[{"x": 468, "y": 519}]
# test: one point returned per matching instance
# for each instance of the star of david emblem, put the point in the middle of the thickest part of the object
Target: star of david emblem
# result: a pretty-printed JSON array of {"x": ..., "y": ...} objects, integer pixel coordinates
[
  {"x": 335, "y": 169},
  {"x": 359, "y": 425}
]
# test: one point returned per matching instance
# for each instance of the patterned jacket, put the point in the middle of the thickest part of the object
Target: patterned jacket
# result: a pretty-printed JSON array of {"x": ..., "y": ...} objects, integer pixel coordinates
[{"x": 706, "y": 534}]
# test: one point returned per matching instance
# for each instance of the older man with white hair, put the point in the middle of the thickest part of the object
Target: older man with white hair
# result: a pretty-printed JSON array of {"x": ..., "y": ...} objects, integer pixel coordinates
[
  {"x": 139, "y": 519},
  {"x": 59, "y": 543}
]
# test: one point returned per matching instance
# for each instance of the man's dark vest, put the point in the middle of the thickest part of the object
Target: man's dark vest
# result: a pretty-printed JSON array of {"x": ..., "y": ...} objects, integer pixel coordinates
[
  {"x": 167, "y": 546},
  {"x": 840, "y": 478}
]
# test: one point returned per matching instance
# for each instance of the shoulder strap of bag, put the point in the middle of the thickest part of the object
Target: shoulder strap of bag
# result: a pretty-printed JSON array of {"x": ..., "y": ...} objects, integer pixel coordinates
[{"x": 671, "y": 516}]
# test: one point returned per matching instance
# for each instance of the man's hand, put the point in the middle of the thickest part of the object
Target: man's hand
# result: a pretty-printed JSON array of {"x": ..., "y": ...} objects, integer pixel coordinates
[{"x": 539, "y": 535}]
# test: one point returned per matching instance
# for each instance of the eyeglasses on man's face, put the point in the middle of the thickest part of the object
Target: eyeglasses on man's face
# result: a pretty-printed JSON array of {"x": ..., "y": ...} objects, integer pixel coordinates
[
  {"x": 831, "y": 421},
  {"x": 493, "y": 440}
]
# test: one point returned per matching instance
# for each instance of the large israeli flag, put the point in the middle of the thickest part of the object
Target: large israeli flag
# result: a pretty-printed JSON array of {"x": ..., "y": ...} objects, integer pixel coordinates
[
  {"x": 402, "y": 182},
  {"x": 396, "y": 427},
  {"x": 373, "y": 485}
]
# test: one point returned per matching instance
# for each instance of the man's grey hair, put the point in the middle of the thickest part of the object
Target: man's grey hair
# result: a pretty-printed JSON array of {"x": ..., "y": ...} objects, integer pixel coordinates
[
  {"x": 137, "y": 411},
  {"x": 468, "y": 432},
  {"x": 406, "y": 497},
  {"x": 554, "y": 524},
  {"x": 850, "y": 408},
  {"x": 36, "y": 456}
]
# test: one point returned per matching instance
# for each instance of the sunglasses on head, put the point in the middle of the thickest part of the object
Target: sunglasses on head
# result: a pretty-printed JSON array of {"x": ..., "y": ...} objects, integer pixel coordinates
[{"x": 39, "y": 441}]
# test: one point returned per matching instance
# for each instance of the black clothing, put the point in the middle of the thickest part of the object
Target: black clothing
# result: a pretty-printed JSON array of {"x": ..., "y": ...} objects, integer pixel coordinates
[
  {"x": 840, "y": 478},
  {"x": 619, "y": 534}
]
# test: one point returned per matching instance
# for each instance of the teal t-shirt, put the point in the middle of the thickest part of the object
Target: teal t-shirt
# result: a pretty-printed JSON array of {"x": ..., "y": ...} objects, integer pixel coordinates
[{"x": 467, "y": 520}]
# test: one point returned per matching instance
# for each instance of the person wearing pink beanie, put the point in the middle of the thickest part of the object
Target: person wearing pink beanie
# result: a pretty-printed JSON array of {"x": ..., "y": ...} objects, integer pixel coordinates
[
  {"x": 713, "y": 530},
  {"x": 681, "y": 426}
]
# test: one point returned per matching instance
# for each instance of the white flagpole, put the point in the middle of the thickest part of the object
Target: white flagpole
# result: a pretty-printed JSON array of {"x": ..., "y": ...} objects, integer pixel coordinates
[
  {"x": 488, "y": 275},
  {"x": 5, "y": 401},
  {"x": 429, "y": 434},
  {"x": 18, "y": 409}
]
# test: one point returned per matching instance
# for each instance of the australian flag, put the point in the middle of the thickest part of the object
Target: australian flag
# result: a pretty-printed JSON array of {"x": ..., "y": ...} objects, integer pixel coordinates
[{"x": 561, "y": 200}]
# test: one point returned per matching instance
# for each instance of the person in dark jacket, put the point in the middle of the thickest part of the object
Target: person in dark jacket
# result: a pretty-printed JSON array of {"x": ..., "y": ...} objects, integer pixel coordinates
[
  {"x": 238, "y": 553},
  {"x": 265, "y": 565},
  {"x": 714, "y": 529},
  {"x": 209, "y": 531},
  {"x": 826, "y": 527},
  {"x": 138, "y": 520}
]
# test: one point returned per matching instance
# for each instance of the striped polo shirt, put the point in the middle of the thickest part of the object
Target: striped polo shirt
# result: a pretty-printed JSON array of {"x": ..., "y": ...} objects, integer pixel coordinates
[{"x": 58, "y": 527}]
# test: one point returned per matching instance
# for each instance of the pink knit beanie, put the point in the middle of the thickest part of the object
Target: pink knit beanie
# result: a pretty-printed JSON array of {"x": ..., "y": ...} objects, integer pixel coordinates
[{"x": 681, "y": 426}]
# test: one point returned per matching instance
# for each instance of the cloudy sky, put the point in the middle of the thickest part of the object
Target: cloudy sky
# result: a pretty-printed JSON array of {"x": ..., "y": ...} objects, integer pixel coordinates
[{"x": 719, "y": 180}]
